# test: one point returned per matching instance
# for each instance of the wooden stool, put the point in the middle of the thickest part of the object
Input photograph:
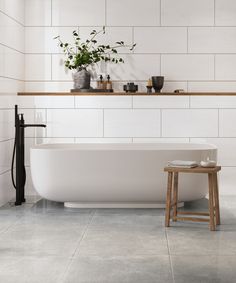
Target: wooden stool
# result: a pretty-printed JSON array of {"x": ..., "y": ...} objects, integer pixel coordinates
[{"x": 172, "y": 188}]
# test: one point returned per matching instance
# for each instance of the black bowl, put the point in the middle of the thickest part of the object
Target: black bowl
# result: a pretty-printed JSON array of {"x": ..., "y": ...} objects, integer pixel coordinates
[{"x": 157, "y": 83}]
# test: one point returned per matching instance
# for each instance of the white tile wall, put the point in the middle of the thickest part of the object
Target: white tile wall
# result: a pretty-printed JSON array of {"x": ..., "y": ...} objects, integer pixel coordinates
[
  {"x": 71, "y": 123},
  {"x": 160, "y": 40},
  {"x": 11, "y": 81},
  {"x": 160, "y": 102},
  {"x": 41, "y": 39},
  {"x": 225, "y": 12},
  {"x": 227, "y": 126},
  {"x": 190, "y": 123},
  {"x": 38, "y": 12},
  {"x": 131, "y": 123},
  {"x": 212, "y": 40},
  {"x": 133, "y": 13},
  {"x": 37, "y": 67},
  {"x": 103, "y": 102},
  {"x": 187, "y": 67},
  {"x": 78, "y": 12},
  {"x": 187, "y": 12},
  {"x": 225, "y": 67},
  {"x": 212, "y": 102},
  {"x": 213, "y": 86},
  {"x": 136, "y": 67}
]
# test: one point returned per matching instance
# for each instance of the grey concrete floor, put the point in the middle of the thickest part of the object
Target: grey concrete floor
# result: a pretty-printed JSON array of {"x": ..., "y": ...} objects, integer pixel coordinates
[{"x": 47, "y": 243}]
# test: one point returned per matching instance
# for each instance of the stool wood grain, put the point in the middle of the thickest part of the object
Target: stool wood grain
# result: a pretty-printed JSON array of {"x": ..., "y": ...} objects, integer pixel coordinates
[{"x": 213, "y": 203}]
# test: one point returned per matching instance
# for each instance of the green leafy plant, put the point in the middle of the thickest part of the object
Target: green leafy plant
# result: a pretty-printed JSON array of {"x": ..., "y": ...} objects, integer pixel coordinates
[{"x": 82, "y": 54}]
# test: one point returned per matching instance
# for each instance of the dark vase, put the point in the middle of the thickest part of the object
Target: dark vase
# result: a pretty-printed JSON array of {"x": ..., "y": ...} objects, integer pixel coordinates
[
  {"x": 157, "y": 83},
  {"x": 82, "y": 79}
]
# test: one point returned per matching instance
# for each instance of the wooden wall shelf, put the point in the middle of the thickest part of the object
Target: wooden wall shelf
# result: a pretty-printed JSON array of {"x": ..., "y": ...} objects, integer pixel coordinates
[{"x": 125, "y": 94}]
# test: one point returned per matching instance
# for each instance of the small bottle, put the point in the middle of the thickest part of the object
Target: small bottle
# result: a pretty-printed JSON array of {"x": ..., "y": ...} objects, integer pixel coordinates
[
  {"x": 100, "y": 82},
  {"x": 108, "y": 83}
]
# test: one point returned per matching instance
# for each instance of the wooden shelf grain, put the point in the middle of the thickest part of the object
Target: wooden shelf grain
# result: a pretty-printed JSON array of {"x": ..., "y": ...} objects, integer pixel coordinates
[{"x": 125, "y": 94}]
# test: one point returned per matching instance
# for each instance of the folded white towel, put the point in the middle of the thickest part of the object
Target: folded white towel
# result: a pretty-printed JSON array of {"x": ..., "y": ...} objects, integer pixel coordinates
[{"x": 182, "y": 164}]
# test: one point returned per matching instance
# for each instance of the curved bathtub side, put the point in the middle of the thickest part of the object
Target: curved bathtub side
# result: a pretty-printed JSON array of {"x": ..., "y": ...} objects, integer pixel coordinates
[{"x": 112, "y": 175}]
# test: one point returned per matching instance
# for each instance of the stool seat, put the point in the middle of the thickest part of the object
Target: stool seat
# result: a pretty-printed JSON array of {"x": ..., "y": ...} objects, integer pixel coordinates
[{"x": 172, "y": 188}]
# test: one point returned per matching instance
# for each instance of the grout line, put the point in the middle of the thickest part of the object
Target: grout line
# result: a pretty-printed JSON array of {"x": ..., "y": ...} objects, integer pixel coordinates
[
  {"x": 103, "y": 113},
  {"x": 170, "y": 259},
  {"x": 62, "y": 279},
  {"x": 214, "y": 67},
  {"x": 12, "y": 48},
  {"x": 160, "y": 14},
  {"x": 51, "y": 13},
  {"x": 214, "y": 12},
  {"x": 126, "y": 26},
  {"x": 161, "y": 123},
  {"x": 187, "y": 40},
  {"x": 10, "y": 17},
  {"x": 105, "y": 12},
  {"x": 218, "y": 122}
]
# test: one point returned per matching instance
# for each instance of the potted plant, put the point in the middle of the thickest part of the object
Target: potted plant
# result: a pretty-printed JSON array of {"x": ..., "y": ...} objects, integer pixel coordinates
[{"x": 81, "y": 55}]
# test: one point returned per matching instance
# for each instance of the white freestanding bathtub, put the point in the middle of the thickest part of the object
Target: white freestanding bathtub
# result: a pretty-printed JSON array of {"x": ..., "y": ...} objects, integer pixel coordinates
[{"x": 115, "y": 175}]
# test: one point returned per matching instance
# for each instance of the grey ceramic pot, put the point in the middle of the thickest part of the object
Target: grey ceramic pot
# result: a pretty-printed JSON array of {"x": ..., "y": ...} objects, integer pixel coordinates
[{"x": 82, "y": 79}]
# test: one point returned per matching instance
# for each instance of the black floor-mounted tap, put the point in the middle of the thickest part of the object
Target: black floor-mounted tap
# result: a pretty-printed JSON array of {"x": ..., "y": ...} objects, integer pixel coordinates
[{"x": 19, "y": 152}]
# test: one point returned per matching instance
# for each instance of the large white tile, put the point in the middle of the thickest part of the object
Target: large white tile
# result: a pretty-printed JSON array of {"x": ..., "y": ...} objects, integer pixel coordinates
[
  {"x": 14, "y": 9},
  {"x": 59, "y": 71},
  {"x": 227, "y": 180},
  {"x": 12, "y": 63},
  {"x": 10, "y": 87},
  {"x": 136, "y": 67},
  {"x": 37, "y": 12},
  {"x": 225, "y": 67},
  {"x": 161, "y": 140},
  {"x": 226, "y": 125},
  {"x": 78, "y": 12},
  {"x": 7, "y": 191},
  {"x": 6, "y": 149},
  {"x": 187, "y": 13},
  {"x": 160, "y": 102},
  {"x": 103, "y": 140},
  {"x": 37, "y": 67},
  {"x": 212, "y": 40},
  {"x": 12, "y": 33},
  {"x": 133, "y": 13},
  {"x": 6, "y": 124},
  {"x": 226, "y": 155},
  {"x": 213, "y": 101},
  {"x": 190, "y": 123},
  {"x": 187, "y": 67},
  {"x": 111, "y": 36},
  {"x": 7, "y": 101},
  {"x": 46, "y": 101},
  {"x": 171, "y": 86},
  {"x": 41, "y": 39},
  {"x": 48, "y": 86},
  {"x": 74, "y": 123},
  {"x": 132, "y": 123},
  {"x": 34, "y": 116},
  {"x": 103, "y": 102},
  {"x": 160, "y": 40},
  {"x": 225, "y": 11},
  {"x": 213, "y": 86}
]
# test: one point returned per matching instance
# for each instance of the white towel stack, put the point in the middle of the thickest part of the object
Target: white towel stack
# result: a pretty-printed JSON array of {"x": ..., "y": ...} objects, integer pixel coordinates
[{"x": 182, "y": 164}]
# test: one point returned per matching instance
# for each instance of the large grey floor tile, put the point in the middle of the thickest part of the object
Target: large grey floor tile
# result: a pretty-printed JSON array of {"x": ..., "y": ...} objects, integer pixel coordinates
[
  {"x": 128, "y": 220},
  {"x": 32, "y": 269},
  {"x": 40, "y": 241},
  {"x": 147, "y": 269},
  {"x": 204, "y": 269},
  {"x": 131, "y": 211},
  {"x": 119, "y": 241},
  {"x": 199, "y": 241}
]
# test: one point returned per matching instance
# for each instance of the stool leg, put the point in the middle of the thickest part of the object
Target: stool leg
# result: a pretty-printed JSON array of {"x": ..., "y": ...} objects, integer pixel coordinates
[
  {"x": 211, "y": 202},
  {"x": 168, "y": 199},
  {"x": 175, "y": 197},
  {"x": 216, "y": 196}
]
